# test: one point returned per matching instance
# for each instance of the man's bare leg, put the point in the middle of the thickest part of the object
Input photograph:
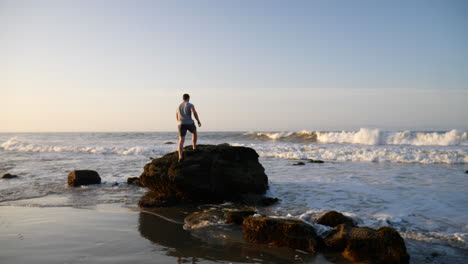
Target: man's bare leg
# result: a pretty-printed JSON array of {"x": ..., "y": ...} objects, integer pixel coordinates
[
  {"x": 181, "y": 147},
  {"x": 194, "y": 140}
]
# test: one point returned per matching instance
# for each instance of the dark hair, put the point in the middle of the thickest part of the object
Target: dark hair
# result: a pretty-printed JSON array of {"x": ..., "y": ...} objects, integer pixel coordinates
[{"x": 186, "y": 97}]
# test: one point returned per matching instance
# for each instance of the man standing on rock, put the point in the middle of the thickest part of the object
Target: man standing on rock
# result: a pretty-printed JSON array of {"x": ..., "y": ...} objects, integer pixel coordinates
[{"x": 184, "y": 117}]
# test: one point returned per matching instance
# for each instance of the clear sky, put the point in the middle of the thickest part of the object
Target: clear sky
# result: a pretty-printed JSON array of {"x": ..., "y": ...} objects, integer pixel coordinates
[{"x": 248, "y": 65}]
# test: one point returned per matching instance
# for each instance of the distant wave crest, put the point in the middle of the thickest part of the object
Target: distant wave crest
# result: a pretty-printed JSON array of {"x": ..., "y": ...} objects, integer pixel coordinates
[
  {"x": 368, "y": 137},
  {"x": 15, "y": 144}
]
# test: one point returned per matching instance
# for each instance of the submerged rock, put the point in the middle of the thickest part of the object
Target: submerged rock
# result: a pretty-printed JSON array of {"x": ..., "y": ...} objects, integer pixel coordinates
[
  {"x": 299, "y": 163},
  {"x": 334, "y": 218},
  {"x": 9, "y": 176},
  {"x": 169, "y": 143},
  {"x": 208, "y": 174},
  {"x": 281, "y": 232},
  {"x": 316, "y": 161},
  {"x": 83, "y": 177},
  {"x": 134, "y": 181},
  {"x": 238, "y": 216}
]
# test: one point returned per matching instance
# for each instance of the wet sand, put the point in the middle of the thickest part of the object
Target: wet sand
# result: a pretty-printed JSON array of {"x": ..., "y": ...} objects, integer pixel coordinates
[{"x": 118, "y": 234}]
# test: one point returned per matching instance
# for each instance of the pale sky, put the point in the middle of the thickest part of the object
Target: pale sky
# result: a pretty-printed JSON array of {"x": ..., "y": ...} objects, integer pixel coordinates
[{"x": 248, "y": 65}]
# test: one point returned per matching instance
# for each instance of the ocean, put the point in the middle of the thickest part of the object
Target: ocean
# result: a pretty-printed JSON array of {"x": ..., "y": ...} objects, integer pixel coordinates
[{"x": 413, "y": 181}]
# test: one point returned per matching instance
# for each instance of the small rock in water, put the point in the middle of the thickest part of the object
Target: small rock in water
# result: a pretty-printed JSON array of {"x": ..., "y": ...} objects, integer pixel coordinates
[
  {"x": 169, "y": 143},
  {"x": 9, "y": 176},
  {"x": 83, "y": 177},
  {"x": 237, "y": 217},
  {"x": 466, "y": 171},
  {"x": 115, "y": 184},
  {"x": 299, "y": 163},
  {"x": 435, "y": 254},
  {"x": 134, "y": 181},
  {"x": 316, "y": 161},
  {"x": 334, "y": 218}
]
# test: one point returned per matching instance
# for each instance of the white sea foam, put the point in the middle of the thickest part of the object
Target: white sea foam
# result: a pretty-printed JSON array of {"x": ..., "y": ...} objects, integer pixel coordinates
[
  {"x": 15, "y": 144},
  {"x": 279, "y": 150},
  {"x": 370, "y": 137},
  {"x": 368, "y": 154}
]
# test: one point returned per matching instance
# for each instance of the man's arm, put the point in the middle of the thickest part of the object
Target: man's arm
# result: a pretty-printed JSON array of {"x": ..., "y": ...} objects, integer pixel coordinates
[
  {"x": 195, "y": 114},
  {"x": 177, "y": 116}
]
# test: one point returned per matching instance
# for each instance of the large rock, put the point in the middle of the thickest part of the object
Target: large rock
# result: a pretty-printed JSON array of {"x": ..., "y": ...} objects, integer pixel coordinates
[
  {"x": 281, "y": 232},
  {"x": 334, "y": 218},
  {"x": 210, "y": 173},
  {"x": 364, "y": 244},
  {"x": 83, "y": 177}
]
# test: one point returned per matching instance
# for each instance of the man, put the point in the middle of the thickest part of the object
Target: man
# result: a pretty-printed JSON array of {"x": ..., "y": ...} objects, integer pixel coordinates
[{"x": 184, "y": 118}]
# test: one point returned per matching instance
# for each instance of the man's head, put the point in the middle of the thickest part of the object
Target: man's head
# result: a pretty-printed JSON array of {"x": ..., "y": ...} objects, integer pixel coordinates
[{"x": 186, "y": 97}]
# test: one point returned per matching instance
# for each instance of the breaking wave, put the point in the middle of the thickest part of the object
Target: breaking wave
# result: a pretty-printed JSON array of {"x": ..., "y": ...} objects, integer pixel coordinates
[{"x": 368, "y": 137}]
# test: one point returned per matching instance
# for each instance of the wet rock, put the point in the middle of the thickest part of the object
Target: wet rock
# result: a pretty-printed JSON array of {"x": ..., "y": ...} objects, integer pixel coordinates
[
  {"x": 208, "y": 174},
  {"x": 338, "y": 238},
  {"x": 334, "y": 218},
  {"x": 281, "y": 232},
  {"x": 134, "y": 181},
  {"x": 9, "y": 176},
  {"x": 83, "y": 177},
  {"x": 237, "y": 217},
  {"x": 364, "y": 244},
  {"x": 154, "y": 199},
  {"x": 169, "y": 143},
  {"x": 299, "y": 163},
  {"x": 315, "y": 161},
  {"x": 466, "y": 171}
]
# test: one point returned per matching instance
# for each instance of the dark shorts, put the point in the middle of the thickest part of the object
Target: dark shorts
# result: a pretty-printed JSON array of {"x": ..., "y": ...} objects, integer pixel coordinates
[{"x": 184, "y": 127}]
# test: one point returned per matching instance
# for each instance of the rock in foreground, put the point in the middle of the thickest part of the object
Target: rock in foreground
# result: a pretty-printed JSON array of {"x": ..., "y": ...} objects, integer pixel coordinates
[
  {"x": 209, "y": 174},
  {"x": 364, "y": 244},
  {"x": 281, "y": 232},
  {"x": 83, "y": 177}
]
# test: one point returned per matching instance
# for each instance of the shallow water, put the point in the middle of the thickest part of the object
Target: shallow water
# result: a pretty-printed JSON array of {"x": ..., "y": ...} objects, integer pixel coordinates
[{"x": 395, "y": 179}]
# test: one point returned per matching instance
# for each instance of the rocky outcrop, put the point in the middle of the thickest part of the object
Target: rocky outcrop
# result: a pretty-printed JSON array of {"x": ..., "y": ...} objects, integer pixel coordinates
[
  {"x": 334, "y": 218},
  {"x": 281, "y": 232},
  {"x": 9, "y": 176},
  {"x": 209, "y": 174},
  {"x": 364, "y": 244},
  {"x": 237, "y": 217},
  {"x": 83, "y": 177}
]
